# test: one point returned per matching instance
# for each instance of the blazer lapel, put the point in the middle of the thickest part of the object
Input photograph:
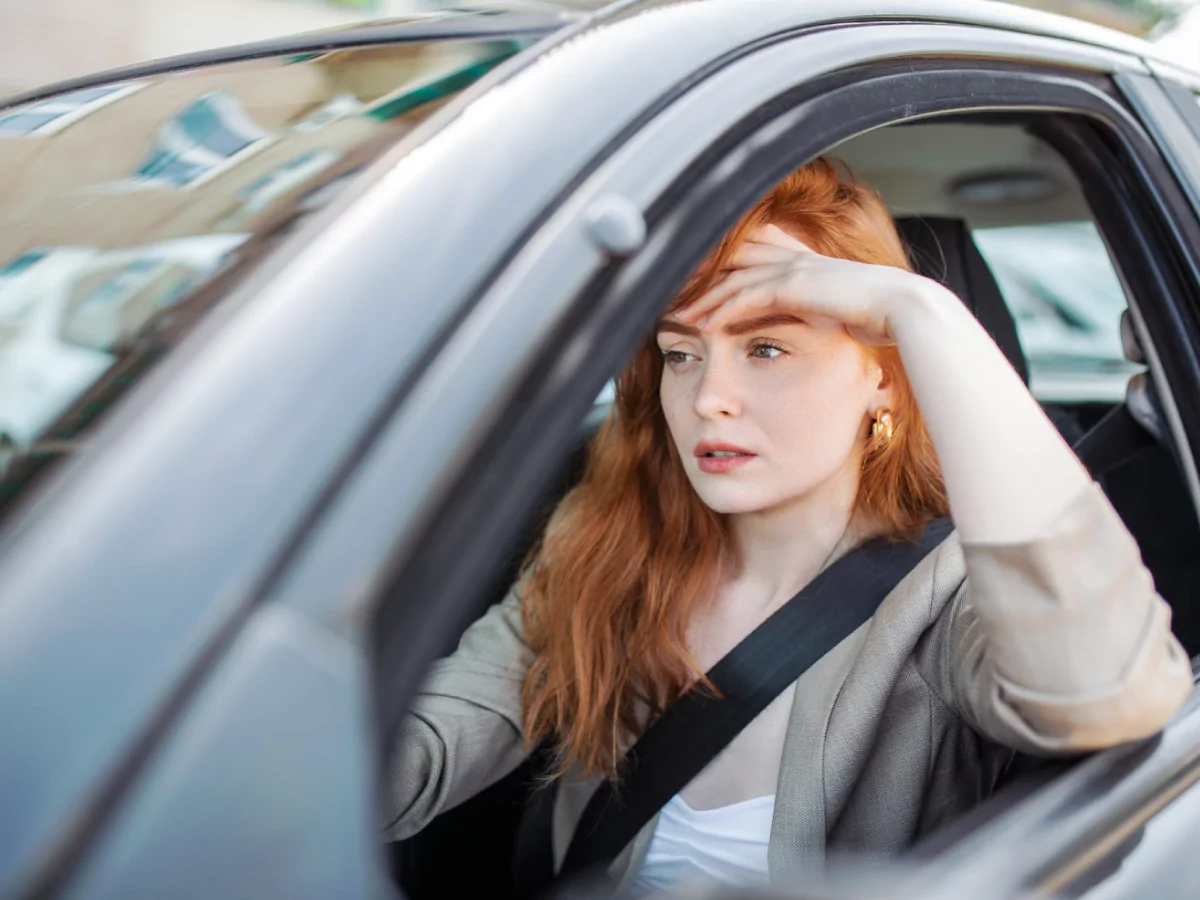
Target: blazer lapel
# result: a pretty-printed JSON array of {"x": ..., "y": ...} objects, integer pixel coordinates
[
  {"x": 837, "y": 707},
  {"x": 799, "y": 825}
]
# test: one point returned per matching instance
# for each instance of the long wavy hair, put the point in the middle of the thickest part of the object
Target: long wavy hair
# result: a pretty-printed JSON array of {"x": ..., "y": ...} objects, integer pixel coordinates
[{"x": 631, "y": 551}]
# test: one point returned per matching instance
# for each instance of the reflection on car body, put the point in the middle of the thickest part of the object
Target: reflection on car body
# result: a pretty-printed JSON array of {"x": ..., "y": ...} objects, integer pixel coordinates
[{"x": 73, "y": 310}]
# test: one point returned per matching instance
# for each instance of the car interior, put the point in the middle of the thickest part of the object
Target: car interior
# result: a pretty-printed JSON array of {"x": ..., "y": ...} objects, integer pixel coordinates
[{"x": 999, "y": 217}]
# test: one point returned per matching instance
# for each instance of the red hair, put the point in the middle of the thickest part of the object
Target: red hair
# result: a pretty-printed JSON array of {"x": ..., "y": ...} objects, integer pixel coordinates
[{"x": 631, "y": 551}]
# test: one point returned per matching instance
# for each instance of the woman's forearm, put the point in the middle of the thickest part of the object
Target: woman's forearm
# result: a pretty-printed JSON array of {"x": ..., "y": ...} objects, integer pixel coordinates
[
  {"x": 1073, "y": 649},
  {"x": 1008, "y": 472}
]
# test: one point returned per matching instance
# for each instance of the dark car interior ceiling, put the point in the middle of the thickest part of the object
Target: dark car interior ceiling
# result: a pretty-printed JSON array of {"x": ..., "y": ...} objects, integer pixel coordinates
[{"x": 947, "y": 170}]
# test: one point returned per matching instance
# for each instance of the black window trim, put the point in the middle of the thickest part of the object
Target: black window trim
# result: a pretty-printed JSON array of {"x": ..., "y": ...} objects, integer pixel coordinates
[
  {"x": 1171, "y": 113},
  {"x": 1081, "y": 818},
  {"x": 1083, "y": 821}
]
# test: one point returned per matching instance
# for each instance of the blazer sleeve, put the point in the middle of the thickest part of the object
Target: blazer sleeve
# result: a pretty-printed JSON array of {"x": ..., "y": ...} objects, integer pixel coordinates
[
  {"x": 1061, "y": 644},
  {"x": 463, "y": 731}
]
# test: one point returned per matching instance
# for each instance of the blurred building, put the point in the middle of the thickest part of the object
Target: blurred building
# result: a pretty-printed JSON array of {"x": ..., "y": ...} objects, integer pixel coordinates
[
  {"x": 211, "y": 151},
  {"x": 1129, "y": 16},
  {"x": 1181, "y": 42},
  {"x": 49, "y": 40}
]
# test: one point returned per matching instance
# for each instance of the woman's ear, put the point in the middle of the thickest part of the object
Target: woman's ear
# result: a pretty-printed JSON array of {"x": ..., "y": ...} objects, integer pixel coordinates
[{"x": 882, "y": 395}]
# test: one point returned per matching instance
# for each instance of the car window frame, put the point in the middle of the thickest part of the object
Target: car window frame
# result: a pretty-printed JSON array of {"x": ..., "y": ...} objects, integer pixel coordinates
[{"x": 1060, "y": 829}]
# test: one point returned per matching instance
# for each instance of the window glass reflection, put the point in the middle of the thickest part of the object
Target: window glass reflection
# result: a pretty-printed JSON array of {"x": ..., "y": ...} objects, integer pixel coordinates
[
  {"x": 209, "y": 133},
  {"x": 129, "y": 210},
  {"x": 56, "y": 113}
]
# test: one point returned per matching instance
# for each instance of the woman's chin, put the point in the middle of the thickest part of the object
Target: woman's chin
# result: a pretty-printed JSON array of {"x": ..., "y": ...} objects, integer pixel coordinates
[{"x": 733, "y": 502}]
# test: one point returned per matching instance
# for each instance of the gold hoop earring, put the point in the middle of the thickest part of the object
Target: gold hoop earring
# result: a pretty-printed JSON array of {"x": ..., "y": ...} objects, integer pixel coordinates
[{"x": 883, "y": 427}]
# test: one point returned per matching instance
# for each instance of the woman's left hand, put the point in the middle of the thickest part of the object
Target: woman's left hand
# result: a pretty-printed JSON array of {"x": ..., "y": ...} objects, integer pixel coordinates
[{"x": 775, "y": 272}]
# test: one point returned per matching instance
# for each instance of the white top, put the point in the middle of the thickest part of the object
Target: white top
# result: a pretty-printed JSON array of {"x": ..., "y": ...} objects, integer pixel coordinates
[{"x": 727, "y": 844}]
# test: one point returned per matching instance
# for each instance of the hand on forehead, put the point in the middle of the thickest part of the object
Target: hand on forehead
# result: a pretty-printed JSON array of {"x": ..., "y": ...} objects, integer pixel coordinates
[
  {"x": 763, "y": 256},
  {"x": 772, "y": 273}
]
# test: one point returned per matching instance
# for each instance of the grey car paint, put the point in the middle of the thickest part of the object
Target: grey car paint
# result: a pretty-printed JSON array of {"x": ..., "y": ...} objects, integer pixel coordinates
[{"x": 143, "y": 518}]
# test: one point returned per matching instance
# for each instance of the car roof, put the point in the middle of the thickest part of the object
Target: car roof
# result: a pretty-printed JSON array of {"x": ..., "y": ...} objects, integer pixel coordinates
[
  {"x": 570, "y": 18},
  {"x": 990, "y": 13}
]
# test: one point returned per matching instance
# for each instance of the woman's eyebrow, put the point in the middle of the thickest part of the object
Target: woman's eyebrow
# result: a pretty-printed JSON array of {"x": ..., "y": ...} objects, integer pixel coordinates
[
  {"x": 757, "y": 323},
  {"x": 670, "y": 325},
  {"x": 742, "y": 326}
]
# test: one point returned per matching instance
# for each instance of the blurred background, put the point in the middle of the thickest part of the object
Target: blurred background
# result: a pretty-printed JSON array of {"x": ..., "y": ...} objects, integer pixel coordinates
[{"x": 47, "y": 40}]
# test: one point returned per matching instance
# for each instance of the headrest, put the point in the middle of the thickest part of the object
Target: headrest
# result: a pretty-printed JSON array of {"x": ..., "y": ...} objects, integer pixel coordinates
[{"x": 942, "y": 248}]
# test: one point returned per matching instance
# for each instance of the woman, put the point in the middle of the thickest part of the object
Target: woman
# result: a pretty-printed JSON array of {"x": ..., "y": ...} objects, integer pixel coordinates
[{"x": 805, "y": 393}]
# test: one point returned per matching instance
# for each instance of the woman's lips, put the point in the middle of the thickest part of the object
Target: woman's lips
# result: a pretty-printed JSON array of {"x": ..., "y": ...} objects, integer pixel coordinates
[
  {"x": 715, "y": 465},
  {"x": 715, "y": 457}
]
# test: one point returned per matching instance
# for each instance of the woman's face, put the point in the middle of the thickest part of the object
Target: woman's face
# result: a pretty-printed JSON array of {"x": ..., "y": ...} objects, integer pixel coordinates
[{"x": 769, "y": 410}]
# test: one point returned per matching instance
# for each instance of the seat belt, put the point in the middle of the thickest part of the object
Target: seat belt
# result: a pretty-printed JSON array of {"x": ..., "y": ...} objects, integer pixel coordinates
[
  {"x": 1116, "y": 439},
  {"x": 693, "y": 730}
]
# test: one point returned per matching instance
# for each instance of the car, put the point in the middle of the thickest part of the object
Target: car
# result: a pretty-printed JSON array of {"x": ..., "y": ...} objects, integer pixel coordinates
[{"x": 300, "y": 340}]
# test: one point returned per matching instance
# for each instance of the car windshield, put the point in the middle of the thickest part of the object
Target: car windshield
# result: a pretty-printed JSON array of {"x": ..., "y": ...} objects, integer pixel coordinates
[{"x": 129, "y": 210}]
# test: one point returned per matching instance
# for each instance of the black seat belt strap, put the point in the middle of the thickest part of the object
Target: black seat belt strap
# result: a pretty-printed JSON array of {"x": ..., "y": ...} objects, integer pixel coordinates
[
  {"x": 1116, "y": 439},
  {"x": 692, "y": 731}
]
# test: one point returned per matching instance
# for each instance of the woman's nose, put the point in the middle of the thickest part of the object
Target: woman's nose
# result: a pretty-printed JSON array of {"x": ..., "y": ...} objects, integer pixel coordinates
[{"x": 718, "y": 393}]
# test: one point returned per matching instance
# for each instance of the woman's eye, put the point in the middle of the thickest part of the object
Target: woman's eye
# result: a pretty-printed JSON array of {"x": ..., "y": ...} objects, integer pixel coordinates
[
  {"x": 676, "y": 357},
  {"x": 765, "y": 351}
]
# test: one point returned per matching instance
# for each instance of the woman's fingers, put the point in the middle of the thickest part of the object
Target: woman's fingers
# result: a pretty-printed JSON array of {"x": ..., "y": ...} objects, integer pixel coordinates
[
  {"x": 763, "y": 265},
  {"x": 761, "y": 296},
  {"x": 776, "y": 236},
  {"x": 753, "y": 253},
  {"x": 732, "y": 284},
  {"x": 772, "y": 269}
]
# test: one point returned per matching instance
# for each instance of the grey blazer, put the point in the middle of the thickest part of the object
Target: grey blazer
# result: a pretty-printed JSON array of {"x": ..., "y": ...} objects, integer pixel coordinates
[{"x": 1053, "y": 646}]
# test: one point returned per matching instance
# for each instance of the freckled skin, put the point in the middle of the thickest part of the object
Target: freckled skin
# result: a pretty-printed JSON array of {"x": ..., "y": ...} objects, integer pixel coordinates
[{"x": 800, "y": 396}]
